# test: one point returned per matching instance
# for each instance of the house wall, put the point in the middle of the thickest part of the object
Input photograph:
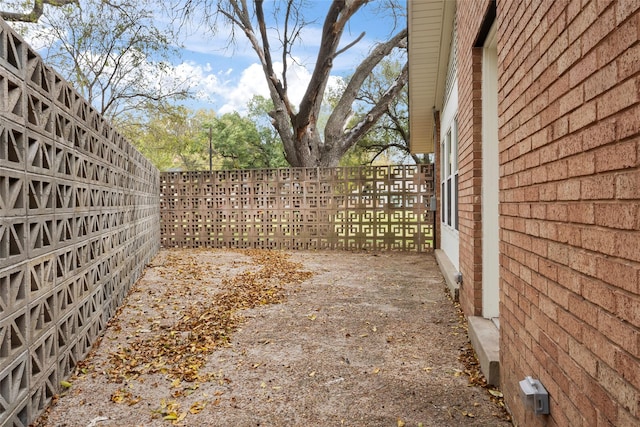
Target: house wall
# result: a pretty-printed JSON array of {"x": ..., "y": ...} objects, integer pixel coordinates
[
  {"x": 470, "y": 16},
  {"x": 569, "y": 77}
]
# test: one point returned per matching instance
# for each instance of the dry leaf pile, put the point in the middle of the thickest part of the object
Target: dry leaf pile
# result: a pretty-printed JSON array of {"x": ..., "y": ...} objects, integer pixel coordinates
[{"x": 179, "y": 349}]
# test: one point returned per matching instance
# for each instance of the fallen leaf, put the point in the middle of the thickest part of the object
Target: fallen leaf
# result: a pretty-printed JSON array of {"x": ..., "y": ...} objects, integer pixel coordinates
[
  {"x": 401, "y": 423},
  {"x": 197, "y": 407},
  {"x": 496, "y": 393},
  {"x": 312, "y": 374},
  {"x": 376, "y": 370},
  {"x": 312, "y": 317},
  {"x": 171, "y": 416},
  {"x": 65, "y": 384}
]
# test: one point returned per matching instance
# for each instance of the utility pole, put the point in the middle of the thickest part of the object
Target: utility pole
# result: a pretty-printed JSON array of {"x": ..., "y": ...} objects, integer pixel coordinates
[{"x": 210, "y": 151}]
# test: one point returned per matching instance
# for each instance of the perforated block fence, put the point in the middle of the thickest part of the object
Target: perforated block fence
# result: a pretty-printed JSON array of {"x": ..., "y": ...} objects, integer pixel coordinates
[
  {"x": 353, "y": 208},
  {"x": 79, "y": 219}
]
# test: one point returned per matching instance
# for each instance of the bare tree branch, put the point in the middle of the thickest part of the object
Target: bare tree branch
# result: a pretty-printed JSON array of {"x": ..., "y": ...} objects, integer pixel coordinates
[
  {"x": 350, "y": 45},
  {"x": 36, "y": 11},
  {"x": 335, "y": 124},
  {"x": 355, "y": 133}
]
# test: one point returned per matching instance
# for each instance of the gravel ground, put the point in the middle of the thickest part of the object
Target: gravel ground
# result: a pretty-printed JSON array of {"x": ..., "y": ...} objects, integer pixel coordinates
[{"x": 257, "y": 338}]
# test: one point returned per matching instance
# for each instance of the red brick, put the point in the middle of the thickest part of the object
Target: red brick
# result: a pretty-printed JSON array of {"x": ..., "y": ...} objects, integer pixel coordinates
[
  {"x": 582, "y": 164},
  {"x": 558, "y": 253},
  {"x": 548, "y": 230},
  {"x": 600, "y": 344},
  {"x": 628, "y": 123},
  {"x": 583, "y": 116},
  {"x": 629, "y": 367},
  {"x": 619, "y": 156},
  {"x": 617, "y": 215},
  {"x": 582, "y": 261},
  {"x": 583, "y": 310},
  {"x": 571, "y": 100},
  {"x": 601, "y": 133},
  {"x": 559, "y": 128},
  {"x": 569, "y": 190},
  {"x": 569, "y": 233},
  {"x": 618, "y": 98},
  {"x": 601, "y": 400},
  {"x": 548, "y": 192},
  {"x": 557, "y": 212},
  {"x": 583, "y": 357},
  {"x": 570, "y": 280},
  {"x": 625, "y": 9},
  {"x": 583, "y": 69},
  {"x": 558, "y": 170},
  {"x": 622, "y": 334},
  {"x": 627, "y": 244},
  {"x": 558, "y": 294},
  {"x": 598, "y": 187},
  {"x": 628, "y": 307},
  {"x": 570, "y": 145},
  {"x": 617, "y": 42},
  {"x": 628, "y": 63},
  {"x": 618, "y": 273},
  {"x": 628, "y": 185},
  {"x": 599, "y": 293},
  {"x": 605, "y": 78},
  {"x": 621, "y": 391},
  {"x": 598, "y": 240},
  {"x": 583, "y": 21},
  {"x": 598, "y": 30},
  {"x": 581, "y": 213},
  {"x": 570, "y": 324}
]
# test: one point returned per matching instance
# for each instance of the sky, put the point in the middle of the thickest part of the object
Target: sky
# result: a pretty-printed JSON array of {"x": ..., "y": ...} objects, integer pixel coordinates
[{"x": 224, "y": 78}]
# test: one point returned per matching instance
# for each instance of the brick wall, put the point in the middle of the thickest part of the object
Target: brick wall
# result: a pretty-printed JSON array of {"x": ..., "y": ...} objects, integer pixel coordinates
[
  {"x": 79, "y": 220},
  {"x": 470, "y": 15},
  {"x": 569, "y": 214}
]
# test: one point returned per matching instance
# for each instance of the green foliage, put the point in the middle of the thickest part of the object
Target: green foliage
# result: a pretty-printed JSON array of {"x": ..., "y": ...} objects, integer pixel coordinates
[
  {"x": 176, "y": 138},
  {"x": 173, "y": 139},
  {"x": 241, "y": 143}
]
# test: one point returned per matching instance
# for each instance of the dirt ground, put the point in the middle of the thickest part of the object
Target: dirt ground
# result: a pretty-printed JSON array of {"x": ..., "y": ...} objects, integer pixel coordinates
[{"x": 259, "y": 338}]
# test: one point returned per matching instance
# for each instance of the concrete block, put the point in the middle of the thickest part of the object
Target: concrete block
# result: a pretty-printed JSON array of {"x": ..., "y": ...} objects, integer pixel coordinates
[{"x": 485, "y": 339}]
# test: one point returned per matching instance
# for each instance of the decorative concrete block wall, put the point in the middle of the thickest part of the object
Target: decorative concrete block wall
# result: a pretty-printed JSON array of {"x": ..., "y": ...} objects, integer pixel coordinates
[
  {"x": 353, "y": 208},
  {"x": 79, "y": 219}
]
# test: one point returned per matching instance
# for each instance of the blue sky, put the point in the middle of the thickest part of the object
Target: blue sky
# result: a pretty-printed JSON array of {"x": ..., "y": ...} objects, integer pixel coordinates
[
  {"x": 229, "y": 77},
  {"x": 225, "y": 78}
]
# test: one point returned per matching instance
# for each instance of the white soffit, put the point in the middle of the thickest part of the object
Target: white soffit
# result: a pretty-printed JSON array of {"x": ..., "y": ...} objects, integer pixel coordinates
[{"x": 430, "y": 24}]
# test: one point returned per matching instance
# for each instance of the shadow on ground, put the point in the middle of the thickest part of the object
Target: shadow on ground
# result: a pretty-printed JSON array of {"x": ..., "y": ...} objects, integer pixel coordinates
[{"x": 369, "y": 339}]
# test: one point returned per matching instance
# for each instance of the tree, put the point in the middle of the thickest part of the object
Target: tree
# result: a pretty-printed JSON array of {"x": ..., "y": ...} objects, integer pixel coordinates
[
  {"x": 36, "y": 11},
  {"x": 390, "y": 135},
  {"x": 248, "y": 142},
  {"x": 112, "y": 52},
  {"x": 297, "y": 126},
  {"x": 173, "y": 139}
]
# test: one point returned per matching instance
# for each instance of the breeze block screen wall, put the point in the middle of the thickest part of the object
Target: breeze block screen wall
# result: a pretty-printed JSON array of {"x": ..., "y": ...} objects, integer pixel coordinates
[
  {"x": 79, "y": 219},
  {"x": 352, "y": 208}
]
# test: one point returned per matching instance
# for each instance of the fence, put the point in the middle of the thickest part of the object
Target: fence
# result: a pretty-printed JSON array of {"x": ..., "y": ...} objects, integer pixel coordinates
[
  {"x": 79, "y": 219},
  {"x": 354, "y": 208}
]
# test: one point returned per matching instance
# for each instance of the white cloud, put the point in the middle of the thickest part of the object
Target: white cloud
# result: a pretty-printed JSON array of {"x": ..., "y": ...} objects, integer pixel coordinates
[{"x": 225, "y": 94}]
